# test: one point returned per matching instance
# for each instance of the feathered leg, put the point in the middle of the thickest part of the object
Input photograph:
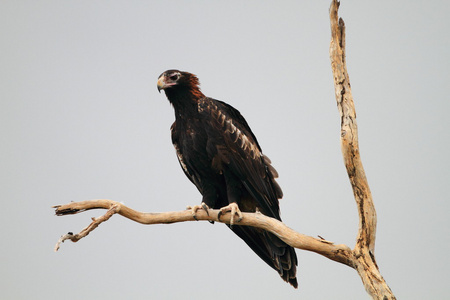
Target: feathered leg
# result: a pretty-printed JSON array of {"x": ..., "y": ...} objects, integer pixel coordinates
[{"x": 234, "y": 193}]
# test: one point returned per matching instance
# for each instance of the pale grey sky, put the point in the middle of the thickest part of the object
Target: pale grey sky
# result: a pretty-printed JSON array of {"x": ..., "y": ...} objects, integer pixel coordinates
[{"x": 81, "y": 119}]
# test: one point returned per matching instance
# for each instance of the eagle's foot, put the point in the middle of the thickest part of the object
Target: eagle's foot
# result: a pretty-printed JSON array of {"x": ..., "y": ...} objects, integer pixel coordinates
[
  {"x": 234, "y": 209},
  {"x": 197, "y": 207}
]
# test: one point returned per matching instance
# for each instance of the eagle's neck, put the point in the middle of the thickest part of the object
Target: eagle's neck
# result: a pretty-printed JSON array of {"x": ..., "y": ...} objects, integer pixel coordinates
[{"x": 184, "y": 101}]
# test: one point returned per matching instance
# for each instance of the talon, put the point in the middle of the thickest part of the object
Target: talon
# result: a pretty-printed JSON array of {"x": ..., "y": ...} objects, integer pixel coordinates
[
  {"x": 234, "y": 209},
  {"x": 194, "y": 209},
  {"x": 205, "y": 208}
]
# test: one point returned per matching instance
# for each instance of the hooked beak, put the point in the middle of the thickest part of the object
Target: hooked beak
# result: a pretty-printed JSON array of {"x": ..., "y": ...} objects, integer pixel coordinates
[{"x": 161, "y": 83}]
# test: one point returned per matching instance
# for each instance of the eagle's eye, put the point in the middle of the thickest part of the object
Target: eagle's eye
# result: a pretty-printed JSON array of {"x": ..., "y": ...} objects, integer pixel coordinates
[{"x": 174, "y": 76}]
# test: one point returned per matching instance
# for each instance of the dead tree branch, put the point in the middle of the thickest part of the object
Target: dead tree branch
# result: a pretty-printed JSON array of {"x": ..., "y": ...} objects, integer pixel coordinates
[
  {"x": 361, "y": 258},
  {"x": 364, "y": 251},
  {"x": 339, "y": 253}
]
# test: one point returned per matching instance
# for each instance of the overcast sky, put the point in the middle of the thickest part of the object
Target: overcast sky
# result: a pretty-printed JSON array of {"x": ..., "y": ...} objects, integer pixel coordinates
[{"x": 81, "y": 118}]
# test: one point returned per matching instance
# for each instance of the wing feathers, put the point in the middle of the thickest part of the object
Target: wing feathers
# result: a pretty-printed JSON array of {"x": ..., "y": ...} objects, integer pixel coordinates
[{"x": 244, "y": 155}]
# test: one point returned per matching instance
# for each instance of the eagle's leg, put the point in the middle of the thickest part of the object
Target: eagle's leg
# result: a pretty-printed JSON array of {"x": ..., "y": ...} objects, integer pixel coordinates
[
  {"x": 197, "y": 207},
  {"x": 234, "y": 209},
  {"x": 234, "y": 194},
  {"x": 209, "y": 199}
]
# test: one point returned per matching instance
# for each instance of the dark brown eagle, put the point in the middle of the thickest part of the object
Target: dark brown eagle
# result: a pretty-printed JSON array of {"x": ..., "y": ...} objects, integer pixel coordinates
[{"x": 221, "y": 156}]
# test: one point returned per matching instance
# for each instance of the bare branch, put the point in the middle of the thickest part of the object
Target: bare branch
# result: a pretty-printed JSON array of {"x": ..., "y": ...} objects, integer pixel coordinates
[
  {"x": 349, "y": 135},
  {"x": 365, "y": 243},
  {"x": 95, "y": 223},
  {"x": 339, "y": 253}
]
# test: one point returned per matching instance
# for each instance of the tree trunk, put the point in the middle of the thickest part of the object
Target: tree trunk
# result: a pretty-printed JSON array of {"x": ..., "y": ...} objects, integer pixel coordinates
[{"x": 364, "y": 252}]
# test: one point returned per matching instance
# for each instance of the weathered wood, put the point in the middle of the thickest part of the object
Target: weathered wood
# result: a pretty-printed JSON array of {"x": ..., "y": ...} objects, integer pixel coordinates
[
  {"x": 364, "y": 251},
  {"x": 339, "y": 253}
]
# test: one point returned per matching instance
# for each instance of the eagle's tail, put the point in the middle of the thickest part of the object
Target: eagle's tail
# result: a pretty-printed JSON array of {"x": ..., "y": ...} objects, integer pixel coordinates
[{"x": 272, "y": 250}]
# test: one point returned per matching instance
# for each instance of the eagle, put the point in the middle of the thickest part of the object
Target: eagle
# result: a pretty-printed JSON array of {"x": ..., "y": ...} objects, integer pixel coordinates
[{"x": 221, "y": 156}]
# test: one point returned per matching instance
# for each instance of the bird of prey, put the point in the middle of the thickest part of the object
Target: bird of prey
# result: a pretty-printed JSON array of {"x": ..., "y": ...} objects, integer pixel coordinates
[{"x": 219, "y": 153}]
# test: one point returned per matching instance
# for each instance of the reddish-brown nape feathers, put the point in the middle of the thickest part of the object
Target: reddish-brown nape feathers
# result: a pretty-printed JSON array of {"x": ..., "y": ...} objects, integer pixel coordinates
[{"x": 194, "y": 86}]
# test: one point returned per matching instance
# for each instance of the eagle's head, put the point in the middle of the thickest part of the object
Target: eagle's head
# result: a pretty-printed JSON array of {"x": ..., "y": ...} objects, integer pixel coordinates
[
  {"x": 180, "y": 85},
  {"x": 174, "y": 79}
]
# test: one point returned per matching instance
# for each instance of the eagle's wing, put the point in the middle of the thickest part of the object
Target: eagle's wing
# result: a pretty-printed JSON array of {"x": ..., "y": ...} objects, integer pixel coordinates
[
  {"x": 188, "y": 170},
  {"x": 240, "y": 151}
]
